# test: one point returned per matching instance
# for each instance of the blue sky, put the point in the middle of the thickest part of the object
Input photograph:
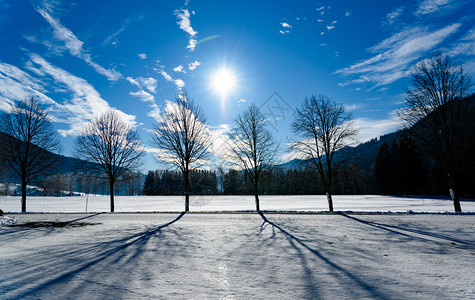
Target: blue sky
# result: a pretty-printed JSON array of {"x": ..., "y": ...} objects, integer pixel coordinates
[{"x": 81, "y": 58}]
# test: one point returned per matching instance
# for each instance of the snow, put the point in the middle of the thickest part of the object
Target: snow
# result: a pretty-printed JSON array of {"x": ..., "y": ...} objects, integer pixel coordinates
[
  {"x": 365, "y": 203},
  {"x": 238, "y": 256}
]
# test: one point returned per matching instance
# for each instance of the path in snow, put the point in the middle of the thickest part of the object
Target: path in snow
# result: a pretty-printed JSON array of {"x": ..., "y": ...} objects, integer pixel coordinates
[{"x": 238, "y": 256}]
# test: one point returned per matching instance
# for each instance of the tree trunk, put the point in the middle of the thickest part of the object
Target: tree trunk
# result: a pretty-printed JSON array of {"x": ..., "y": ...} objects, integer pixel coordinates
[
  {"x": 454, "y": 193},
  {"x": 111, "y": 189},
  {"x": 330, "y": 201},
  {"x": 187, "y": 190},
  {"x": 257, "y": 202},
  {"x": 256, "y": 195},
  {"x": 23, "y": 195}
]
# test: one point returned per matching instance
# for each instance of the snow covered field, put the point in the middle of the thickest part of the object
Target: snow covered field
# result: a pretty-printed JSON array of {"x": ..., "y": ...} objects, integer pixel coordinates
[
  {"x": 238, "y": 256},
  {"x": 234, "y": 203}
]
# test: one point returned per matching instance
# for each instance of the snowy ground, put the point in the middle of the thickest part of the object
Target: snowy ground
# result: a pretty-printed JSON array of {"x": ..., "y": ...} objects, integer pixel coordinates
[
  {"x": 238, "y": 256},
  {"x": 235, "y": 203}
]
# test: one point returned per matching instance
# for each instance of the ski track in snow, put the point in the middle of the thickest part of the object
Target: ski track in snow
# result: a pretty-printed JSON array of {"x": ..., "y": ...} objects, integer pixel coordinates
[{"x": 239, "y": 256}]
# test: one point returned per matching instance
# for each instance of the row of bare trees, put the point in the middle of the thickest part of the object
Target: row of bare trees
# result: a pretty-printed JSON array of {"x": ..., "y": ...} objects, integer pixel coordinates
[{"x": 324, "y": 132}]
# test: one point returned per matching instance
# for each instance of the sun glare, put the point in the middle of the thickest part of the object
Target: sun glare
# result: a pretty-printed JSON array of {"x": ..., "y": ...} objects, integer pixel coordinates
[{"x": 223, "y": 82}]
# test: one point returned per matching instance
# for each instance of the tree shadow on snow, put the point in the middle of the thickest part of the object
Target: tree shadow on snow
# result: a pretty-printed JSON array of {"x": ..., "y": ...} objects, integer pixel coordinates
[
  {"x": 421, "y": 234},
  {"x": 301, "y": 247},
  {"x": 88, "y": 262},
  {"x": 43, "y": 227}
]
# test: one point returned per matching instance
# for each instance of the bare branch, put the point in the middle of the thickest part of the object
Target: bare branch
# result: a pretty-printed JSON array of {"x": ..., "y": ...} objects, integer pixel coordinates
[
  {"x": 112, "y": 144},
  {"x": 324, "y": 132},
  {"x": 183, "y": 135}
]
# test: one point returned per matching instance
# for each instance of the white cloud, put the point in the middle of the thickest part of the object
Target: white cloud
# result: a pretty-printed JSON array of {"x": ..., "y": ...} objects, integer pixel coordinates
[
  {"x": 185, "y": 24},
  {"x": 241, "y": 101},
  {"x": 319, "y": 20},
  {"x": 348, "y": 13},
  {"x": 321, "y": 8},
  {"x": 334, "y": 22},
  {"x": 395, "y": 55},
  {"x": 371, "y": 128},
  {"x": 179, "y": 69},
  {"x": 184, "y": 21},
  {"x": 142, "y": 56},
  {"x": 179, "y": 83},
  {"x": 166, "y": 76},
  {"x": 330, "y": 27},
  {"x": 192, "y": 44},
  {"x": 193, "y": 65},
  {"x": 286, "y": 25},
  {"x": 431, "y": 6},
  {"x": 143, "y": 96},
  {"x": 283, "y": 32}
]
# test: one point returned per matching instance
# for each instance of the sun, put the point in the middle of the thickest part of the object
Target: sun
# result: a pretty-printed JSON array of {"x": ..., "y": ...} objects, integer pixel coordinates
[{"x": 223, "y": 82}]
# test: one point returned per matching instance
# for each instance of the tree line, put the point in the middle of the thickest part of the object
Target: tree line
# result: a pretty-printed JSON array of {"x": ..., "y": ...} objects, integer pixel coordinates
[{"x": 435, "y": 112}]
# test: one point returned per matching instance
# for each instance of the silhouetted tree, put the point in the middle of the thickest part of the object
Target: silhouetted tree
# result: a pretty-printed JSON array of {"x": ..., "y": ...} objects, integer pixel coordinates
[
  {"x": 29, "y": 143},
  {"x": 436, "y": 111},
  {"x": 184, "y": 137},
  {"x": 112, "y": 144},
  {"x": 252, "y": 147},
  {"x": 325, "y": 131}
]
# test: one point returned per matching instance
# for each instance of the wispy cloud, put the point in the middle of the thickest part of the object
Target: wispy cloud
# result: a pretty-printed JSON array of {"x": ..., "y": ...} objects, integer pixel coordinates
[
  {"x": 148, "y": 83},
  {"x": 143, "y": 96},
  {"x": 286, "y": 25},
  {"x": 348, "y": 13},
  {"x": 81, "y": 104},
  {"x": 183, "y": 16},
  {"x": 74, "y": 45},
  {"x": 166, "y": 76},
  {"x": 142, "y": 55},
  {"x": 394, "y": 56},
  {"x": 178, "y": 82},
  {"x": 431, "y": 6},
  {"x": 16, "y": 84},
  {"x": 392, "y": 17}
]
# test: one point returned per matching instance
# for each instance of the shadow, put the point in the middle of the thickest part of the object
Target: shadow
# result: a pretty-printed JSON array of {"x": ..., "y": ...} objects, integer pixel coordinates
[
  {"x": 120, "y": 253},
  {"x": 423, "y": 235},
  {"x": 312, "y": 289},
  {"x": 57, "y": 224},
  {"x": 46, "y": 227}
]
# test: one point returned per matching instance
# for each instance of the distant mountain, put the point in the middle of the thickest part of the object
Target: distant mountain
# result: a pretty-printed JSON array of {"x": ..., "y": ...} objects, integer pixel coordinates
[
  {"x": 65, "y": 165},
  {"x": 366, "y": 153}
]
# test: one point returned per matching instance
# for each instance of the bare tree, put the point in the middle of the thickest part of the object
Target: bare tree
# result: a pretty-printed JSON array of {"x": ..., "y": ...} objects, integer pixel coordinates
[
  {"x": 29, "y": 144},
  {"x": 436, "y": 112},
  {"x": 252, "y": 147},
  {"x": 325, "y": 132},
  {"x": 112, "y": 144},
  {"x": 184, "y": 137}
]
